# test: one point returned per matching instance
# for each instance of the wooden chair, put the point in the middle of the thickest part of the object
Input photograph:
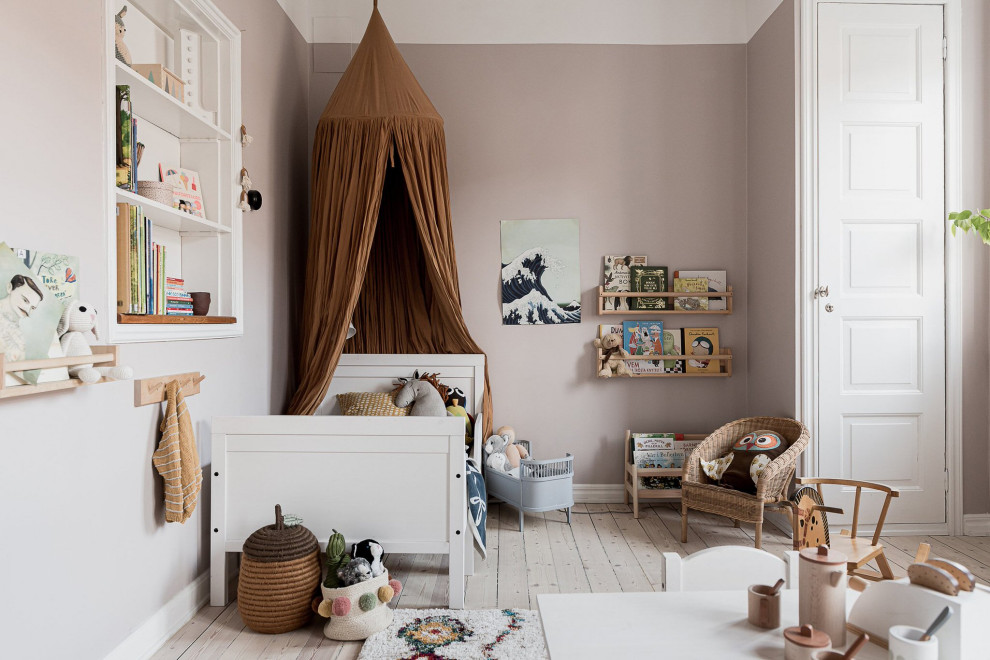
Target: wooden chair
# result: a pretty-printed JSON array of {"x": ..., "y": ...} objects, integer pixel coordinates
[
  {"x": 698, "y": 492},
  {"x": 727, "y": 567},
  {"x": 860, "y": 551}
]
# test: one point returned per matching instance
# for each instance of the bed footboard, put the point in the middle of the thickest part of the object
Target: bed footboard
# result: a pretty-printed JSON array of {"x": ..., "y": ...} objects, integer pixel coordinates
[{"x": 399, "y": 480}]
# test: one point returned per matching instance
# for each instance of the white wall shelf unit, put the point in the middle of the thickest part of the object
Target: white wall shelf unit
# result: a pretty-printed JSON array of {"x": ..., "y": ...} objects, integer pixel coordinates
[{"x": 199, "y": 133}]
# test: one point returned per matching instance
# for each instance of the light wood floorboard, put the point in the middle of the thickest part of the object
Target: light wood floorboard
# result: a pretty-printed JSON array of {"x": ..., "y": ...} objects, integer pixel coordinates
[{"x": 605, "y": 549}]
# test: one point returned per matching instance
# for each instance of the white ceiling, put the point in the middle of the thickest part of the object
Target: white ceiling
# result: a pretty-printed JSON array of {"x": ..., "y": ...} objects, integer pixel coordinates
[{"x": 535, "y": 21}]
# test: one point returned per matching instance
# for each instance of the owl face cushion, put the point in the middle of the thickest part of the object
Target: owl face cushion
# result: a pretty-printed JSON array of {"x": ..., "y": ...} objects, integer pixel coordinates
[{"x": 751, "y": 454}]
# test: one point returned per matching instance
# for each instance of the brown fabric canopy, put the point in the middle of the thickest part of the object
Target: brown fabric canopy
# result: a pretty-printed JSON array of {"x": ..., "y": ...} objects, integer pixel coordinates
[{"x": 381, "y": 247}]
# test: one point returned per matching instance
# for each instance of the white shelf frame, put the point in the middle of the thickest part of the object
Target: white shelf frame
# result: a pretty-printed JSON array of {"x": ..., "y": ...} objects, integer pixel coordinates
[{"x": 156, "y": 107}]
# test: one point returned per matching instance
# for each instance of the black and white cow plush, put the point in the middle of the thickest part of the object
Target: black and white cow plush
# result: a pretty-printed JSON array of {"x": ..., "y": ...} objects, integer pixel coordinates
[{"x": 371, "y": 550}]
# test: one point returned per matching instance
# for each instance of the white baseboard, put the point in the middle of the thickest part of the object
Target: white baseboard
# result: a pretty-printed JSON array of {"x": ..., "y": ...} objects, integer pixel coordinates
[
  {"x": 976, "y": 524},
  {"x": 164, "y": 623},
  {"x": 598, "y": 493}
]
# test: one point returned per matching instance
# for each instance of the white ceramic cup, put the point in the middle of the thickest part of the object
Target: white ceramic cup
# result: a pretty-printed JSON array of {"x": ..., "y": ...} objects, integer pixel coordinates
[{"x": 904, "y": 644}]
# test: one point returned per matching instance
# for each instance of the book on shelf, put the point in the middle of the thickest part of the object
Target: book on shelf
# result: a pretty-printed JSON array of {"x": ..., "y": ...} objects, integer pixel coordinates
[
  {"x": 187, "y": 193},
  {"x": 125, "y": 144},
  {"x": 691, "y": 285},
  {"x": 643, "y": 338},
  {"x": 141, "y": 264},
  {"x": 616, "y": 276},
  {"x": 124, "y": 258},
  {"x": 639, "y": 441},
  {"x": 659, "y": 458},
  {"x": 648, "y": 279},
  {"x": 716, "y": 282},
  {"x": 659, "y": 483},
  {"x": 673, "y": 344},
  {"x": 699, "y": 343}
]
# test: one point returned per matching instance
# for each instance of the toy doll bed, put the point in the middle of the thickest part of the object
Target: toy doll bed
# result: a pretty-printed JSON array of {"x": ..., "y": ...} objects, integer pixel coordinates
[{"x": 399, "y": 480}]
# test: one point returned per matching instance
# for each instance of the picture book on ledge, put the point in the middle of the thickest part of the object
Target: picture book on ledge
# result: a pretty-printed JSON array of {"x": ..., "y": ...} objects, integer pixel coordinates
[
  {"x": 648, "y": 279},
  {"x": 187, "y": 194},
  {"x": 29, "y": 316},
  {"x": 701, "y": 342},
  {"x": 616, "y": 277},
  {"x": 643, "y": 338},
  {"x": 716, "y": 282}
]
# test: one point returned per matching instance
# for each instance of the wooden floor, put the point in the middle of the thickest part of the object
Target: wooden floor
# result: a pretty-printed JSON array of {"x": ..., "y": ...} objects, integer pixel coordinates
[{"x": 604, "y": 550}]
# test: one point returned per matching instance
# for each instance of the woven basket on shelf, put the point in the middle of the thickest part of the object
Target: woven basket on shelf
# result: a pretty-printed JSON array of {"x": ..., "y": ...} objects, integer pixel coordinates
[
  {"x": 280, "y": 571},
  {"x": 156, "y": 191}
]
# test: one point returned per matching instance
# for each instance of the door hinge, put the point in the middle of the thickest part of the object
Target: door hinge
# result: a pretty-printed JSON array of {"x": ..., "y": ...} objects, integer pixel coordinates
[
  {"x": 946, "y": 473},
  {"x": 945, "y": 48}
]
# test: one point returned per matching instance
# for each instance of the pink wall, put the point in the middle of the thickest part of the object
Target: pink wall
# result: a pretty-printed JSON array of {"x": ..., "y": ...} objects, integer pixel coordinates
[
  {"x": 975, "y": 269},
  {"x": 646, "y": 147},
  {"x": 81, "y": 496},
  {"x": 772, "y": 235}
]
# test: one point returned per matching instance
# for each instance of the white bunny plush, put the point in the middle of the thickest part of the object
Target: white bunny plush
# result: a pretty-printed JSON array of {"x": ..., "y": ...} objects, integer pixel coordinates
[
  {"x": 77, "y": 320},
  {"x": 495, "y": 448}
]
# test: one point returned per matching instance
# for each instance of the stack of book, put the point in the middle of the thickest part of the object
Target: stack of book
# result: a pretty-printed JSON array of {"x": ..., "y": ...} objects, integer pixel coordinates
[
  {"x": 178, "y": 302},
  {"x": 140, "y": 264},
  {"x": 660, "y": 450}
]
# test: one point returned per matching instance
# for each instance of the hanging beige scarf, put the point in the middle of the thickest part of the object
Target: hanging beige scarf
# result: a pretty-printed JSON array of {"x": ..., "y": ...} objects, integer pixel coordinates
[{"x": 177, "y": 459}]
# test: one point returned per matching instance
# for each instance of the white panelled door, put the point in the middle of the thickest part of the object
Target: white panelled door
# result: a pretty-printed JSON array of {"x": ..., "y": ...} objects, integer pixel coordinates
[{"x": 881, "y": 326}]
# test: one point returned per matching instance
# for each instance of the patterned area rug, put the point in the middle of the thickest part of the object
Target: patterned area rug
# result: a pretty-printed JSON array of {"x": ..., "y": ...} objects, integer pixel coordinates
[{"x": 459, "y": 635}]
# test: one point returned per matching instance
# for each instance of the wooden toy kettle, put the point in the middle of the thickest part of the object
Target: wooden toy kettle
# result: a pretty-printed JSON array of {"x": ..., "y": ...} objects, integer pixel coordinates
[{"x": 822, "y": 592}]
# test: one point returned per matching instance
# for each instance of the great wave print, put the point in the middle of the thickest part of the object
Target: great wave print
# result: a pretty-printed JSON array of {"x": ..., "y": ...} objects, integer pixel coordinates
[{"x": 540, "y": 277}]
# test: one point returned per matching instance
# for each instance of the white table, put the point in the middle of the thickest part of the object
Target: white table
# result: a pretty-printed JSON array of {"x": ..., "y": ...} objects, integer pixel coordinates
[{"x": 683, "y": 624}]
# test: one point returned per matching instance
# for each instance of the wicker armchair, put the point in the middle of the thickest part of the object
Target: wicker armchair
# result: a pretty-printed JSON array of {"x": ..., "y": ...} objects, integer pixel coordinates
[{"x": 698, "y": 491}]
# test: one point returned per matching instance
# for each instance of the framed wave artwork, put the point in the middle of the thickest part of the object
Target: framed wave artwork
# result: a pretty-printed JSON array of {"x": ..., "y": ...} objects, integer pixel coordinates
[{"x": 540, "y": 277}]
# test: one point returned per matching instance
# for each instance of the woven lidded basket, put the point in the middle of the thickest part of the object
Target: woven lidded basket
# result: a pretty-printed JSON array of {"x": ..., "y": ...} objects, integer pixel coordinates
[
  {"x": 360, "y": 610},
  {"x": 280, "y": 570},
  {"x": 156, "y": 191}
]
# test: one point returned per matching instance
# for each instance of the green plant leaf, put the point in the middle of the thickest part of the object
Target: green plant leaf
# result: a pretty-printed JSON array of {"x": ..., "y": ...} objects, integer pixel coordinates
[
  {"x": 964, "y": 215},
  {"x": 953, "y": 215},
  {"x": 953, "y": 230}
]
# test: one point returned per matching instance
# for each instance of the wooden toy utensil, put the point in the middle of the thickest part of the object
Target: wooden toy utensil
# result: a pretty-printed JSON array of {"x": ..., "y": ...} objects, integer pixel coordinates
[
  {"x": 966, "y": 580},
  {"x": 776, "y": 587},
  {"x": 933, "y": 577},
  {"x": 937, "y": 623},
  {"x": 856, "y": 646}
]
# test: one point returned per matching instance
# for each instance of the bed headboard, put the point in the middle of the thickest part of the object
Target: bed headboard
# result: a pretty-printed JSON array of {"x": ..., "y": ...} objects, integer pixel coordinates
[{"x": 375, "y": 372}]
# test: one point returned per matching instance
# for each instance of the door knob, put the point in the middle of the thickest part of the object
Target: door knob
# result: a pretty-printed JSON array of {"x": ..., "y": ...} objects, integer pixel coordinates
[
  {"x": 821, "y": 291},
  {"x": 829, "y": 308}
]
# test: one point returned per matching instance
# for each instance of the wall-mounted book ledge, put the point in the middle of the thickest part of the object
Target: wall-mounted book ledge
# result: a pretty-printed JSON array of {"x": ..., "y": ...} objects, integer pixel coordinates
[
  {"x": 603, "y": 295},
  {"x": 724, "y": 358},
  {"x": 102, "y": 355},
  {"x": 152, "y": 390},
  {"x": 177, "y": 320}
]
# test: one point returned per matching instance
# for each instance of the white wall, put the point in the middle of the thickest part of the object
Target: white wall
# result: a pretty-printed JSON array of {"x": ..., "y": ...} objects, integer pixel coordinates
[{"x": 85, "y": 556}]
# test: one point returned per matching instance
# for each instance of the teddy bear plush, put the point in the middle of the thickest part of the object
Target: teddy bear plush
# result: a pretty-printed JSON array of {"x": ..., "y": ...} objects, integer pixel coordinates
[
  {"x": 495, "y": 448},
  {"x": 611, "y": 346},
  {"x": 513, "y": 452},
  {"x": 77, "y": 321}
]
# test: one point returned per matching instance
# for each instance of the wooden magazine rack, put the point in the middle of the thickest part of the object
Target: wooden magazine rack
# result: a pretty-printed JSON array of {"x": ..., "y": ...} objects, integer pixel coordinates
[
  {"x": 102, "y": 355},
  {"x": 603, "y": 294},
  {"x": 724, "y": 358},
  {"x": 631, "y": 489}
]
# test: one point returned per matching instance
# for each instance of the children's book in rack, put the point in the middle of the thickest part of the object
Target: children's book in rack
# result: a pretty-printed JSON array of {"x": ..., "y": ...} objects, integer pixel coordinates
[
  {"x": 633, "y": 475},
  {"x": 724, "y": 358},
  {"x": 603, "y": 295},
  {"x": 102, "y": 355}
]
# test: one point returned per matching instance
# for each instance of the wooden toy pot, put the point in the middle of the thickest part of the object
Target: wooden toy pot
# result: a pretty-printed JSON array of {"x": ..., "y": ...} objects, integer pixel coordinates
[{"x": 822, "y": 592}]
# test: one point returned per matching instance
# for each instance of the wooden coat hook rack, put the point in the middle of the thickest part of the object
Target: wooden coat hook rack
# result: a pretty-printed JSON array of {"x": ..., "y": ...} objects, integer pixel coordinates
[{"x": 152, "y": 390}]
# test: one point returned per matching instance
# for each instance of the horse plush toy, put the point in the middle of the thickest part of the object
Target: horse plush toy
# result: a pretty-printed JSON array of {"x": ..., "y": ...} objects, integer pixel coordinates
[{"x": 424, "y": 397}]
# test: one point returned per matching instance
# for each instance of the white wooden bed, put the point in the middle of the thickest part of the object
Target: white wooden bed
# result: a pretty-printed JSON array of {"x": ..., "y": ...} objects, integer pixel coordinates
[{"x": 399, "y": 480}]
